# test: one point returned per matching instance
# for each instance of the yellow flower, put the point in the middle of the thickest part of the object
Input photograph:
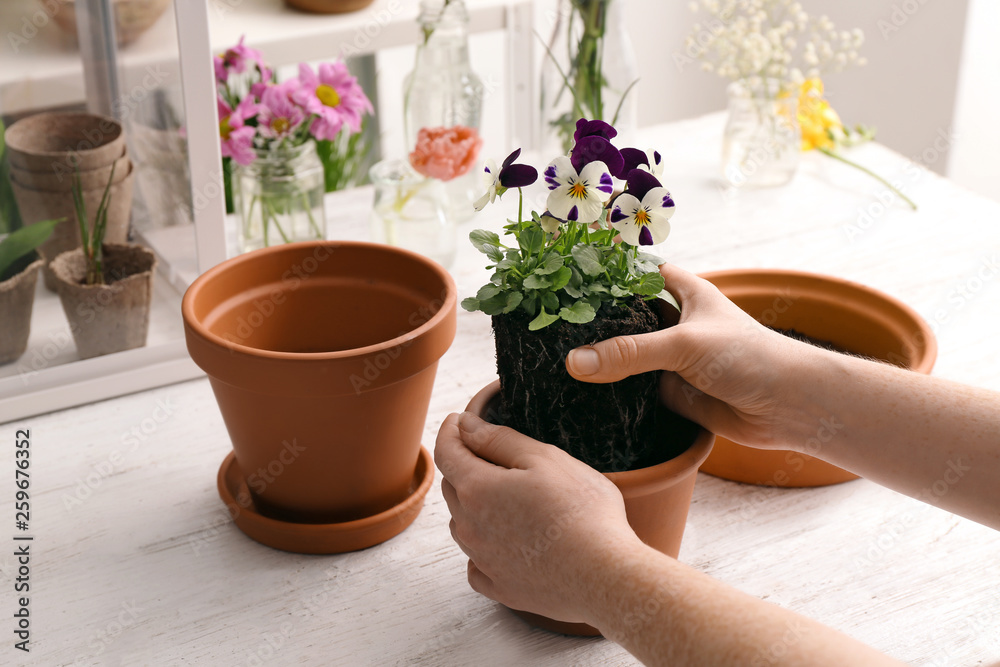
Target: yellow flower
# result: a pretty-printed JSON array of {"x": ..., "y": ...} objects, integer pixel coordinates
[{"x": 820, "y": 124}]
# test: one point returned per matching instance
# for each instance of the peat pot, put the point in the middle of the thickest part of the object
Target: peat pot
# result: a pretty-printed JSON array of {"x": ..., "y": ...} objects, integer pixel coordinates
[
  {"x": 853, "y": 317},
  {"x": 322, "y": 356},
  {"x": 657, "y": 499},
  {"x": 17, "y": 298},
  {"x": 107, "y": 318}
]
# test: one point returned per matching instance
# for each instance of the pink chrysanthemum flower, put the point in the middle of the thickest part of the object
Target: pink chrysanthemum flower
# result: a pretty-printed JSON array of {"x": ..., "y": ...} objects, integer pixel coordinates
[
  {"x": 445, "y": 153},
  {"x": 278, "y": 116},
  {"x": 237, "y": 137},
  {"x": 334, "y": 96},
  {"x": 236, "y": 59}
]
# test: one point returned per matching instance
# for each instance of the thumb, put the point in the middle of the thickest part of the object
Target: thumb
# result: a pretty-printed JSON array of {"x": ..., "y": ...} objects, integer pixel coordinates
[
  {"x": 617, "y": 358},
  {"x": 497, "y": 444}
]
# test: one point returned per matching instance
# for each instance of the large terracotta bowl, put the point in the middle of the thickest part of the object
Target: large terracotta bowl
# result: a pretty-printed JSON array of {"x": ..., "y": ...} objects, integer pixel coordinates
[
  {"x": 657, "y": 498},
  {"x": 853, "y": 317}
]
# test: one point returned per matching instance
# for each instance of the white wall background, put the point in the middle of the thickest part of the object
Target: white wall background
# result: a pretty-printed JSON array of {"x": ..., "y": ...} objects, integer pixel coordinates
[{"x": 907, "y": 91}]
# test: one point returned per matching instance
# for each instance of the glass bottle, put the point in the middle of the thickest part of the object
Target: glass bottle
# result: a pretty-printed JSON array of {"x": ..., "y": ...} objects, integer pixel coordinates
[
  {"x": 588, "y": 43},
  {"x": 279, "y": 197},
  {"x": 443, "y": 91},
  {"x": 761, "y": 143},
  {"x": 410, "y": 211}
]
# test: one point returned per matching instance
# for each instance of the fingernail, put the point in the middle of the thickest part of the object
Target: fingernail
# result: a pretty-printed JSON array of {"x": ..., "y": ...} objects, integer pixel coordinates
[
  {"x": 469, "y": 422},
  {"x": 584, "y": 361}
]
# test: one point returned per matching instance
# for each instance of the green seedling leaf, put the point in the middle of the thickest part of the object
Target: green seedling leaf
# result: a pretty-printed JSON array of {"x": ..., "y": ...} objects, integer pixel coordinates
[
  {"x": 482, "y": 237},
  {"x": 580, "y": 312},
  {"x": 513, "y": 301},
  {"x": 25, "y": 240},
  {"x": 550, "y": 301},
  {"x": 650, "y": 284},
  {"x": 560, "y": 278},
  {"x": 487, "y": 292},
  {"x": 588, "y": 259},
  {"x": 543, "y": 320},
  {"x": 531, "y": 241},
  {"x": 669, "y": 298},
  {"x": 537, "y": 282},
  {"x": 552, "y": 263},
  {"x": 471, "y": 304}
]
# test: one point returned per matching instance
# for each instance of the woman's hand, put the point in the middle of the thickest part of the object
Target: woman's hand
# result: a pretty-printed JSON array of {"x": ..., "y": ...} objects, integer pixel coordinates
[
  {"x": 535, "y": 523},
  {"x": 729, "y": 373}
]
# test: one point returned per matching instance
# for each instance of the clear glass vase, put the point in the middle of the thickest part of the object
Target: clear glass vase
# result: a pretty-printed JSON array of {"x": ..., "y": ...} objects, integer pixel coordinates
[
  {"x": 762, "y": 142},
  {"x": 443, "y": 91},
  {"x": 590, "y": 46},
  {"x": 279, "y": 197},
  {"x": 410, "y": 211}
]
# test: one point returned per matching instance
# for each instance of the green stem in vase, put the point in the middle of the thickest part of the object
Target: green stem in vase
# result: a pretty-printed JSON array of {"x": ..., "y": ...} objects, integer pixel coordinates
[
  {"x": 274, "y": 216},
  {"x": 835, "y": 156},
  {"x": 312, "y": 219}
]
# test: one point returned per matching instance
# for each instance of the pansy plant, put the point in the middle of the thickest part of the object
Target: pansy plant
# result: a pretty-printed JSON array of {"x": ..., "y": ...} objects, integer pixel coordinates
[{"x": 564, "y": 263}]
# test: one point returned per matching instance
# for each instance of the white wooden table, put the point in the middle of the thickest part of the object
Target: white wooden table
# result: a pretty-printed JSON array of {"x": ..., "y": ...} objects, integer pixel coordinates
[{"x": 135, "y": 561}]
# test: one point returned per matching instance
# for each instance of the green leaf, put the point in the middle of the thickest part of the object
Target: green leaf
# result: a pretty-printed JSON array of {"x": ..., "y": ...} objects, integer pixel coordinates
[
  {"x": 580, "y": 312},
  {"x": 493, "y": 252},
  {"x": 482, "y": 237},
  {"x": 25, "y": 240},
  {"x": 618, "y": 291},
  {"x": 530, "y": 304},
  {"x": 560, "y": 278},
  {"x": 595, "y": 288},
  {"x": 550, "y": 301},
  {"x": 588, "y": 259},
  {"x": 471, "y": 304},
  {"x": 513, "y": 301},
  {"x": 574, "y": 292},
  {"x": 650, "y": 284},
  {"x": 537, "y": 282},
  {"x": 543, "y": 320},
  {"x": 493, "y": 306},
  {"x": 552, "y": 263},
  {"x": 531, "y": 241},
  {"x": 487, "y": 292},
  {"x": 669, "y": 298}
]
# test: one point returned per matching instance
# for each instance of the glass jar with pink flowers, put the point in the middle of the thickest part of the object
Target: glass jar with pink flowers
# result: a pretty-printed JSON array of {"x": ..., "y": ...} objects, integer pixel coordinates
[{"x": 286, "y": 144}]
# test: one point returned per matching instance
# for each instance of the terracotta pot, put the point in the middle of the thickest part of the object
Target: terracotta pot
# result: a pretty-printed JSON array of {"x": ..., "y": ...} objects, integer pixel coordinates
[
  {"x": 107, "y": 318},
  {"x": 657, "y": 499},
  {"x": 91, "y": 179},
  {"x": 17, "y": 296},
  {"x": 329, "y": 6},
  {"x": 849, "y": 315},
  {"x": 132, "y": 17},
  {"x": 38, "y": 205},
  {"x": 322, "y": 357},
  {"x": 55, "y": 142}
]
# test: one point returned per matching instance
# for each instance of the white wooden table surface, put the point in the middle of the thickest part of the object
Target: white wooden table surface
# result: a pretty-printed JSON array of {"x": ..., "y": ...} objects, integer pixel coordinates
[{"x": 135, "y": 561}]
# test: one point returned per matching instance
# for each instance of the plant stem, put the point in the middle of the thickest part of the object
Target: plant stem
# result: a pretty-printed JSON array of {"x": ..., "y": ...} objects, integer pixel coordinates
[{"x": 835, "y": 156}]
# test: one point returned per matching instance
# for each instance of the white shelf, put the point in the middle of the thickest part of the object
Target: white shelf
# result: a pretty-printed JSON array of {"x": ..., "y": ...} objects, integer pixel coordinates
[{"x": 46, "y": 69}]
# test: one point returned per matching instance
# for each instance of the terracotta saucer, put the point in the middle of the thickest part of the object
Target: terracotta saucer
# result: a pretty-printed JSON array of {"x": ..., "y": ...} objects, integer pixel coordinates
[{"x": 322, "y": 538}]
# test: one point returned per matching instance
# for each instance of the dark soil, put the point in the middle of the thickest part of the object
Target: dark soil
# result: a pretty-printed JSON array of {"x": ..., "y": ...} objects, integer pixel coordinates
[{"x": 612, "y": 427}]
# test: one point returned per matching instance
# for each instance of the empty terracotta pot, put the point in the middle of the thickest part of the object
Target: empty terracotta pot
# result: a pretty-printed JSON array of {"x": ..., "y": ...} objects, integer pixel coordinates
[
  {"x": 17, "y": 298},
  {"x": 55, "y": 142},
  {"x": 657, "y": 499},
  {"x": 853, "y": 317},
  {"x": 322, "y": 357}
]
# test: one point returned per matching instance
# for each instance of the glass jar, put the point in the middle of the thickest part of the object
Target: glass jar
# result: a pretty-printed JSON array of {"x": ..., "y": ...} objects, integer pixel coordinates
[
  {"x": 588, "y": 43},
  {"x": 410, "y": 212},
  {"x": 761, "y": 142},
  {"x": 279, "y": 197},
  {"x": 443, "y": 91}
]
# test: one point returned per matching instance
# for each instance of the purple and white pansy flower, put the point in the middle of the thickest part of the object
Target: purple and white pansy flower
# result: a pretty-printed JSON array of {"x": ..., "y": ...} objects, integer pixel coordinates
[
  {"x": 649, "y": 160},
  {"x": 578, "y": 196},
  {"x": 509, "y": 176},
  {"x": 642, "y": 213}
]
